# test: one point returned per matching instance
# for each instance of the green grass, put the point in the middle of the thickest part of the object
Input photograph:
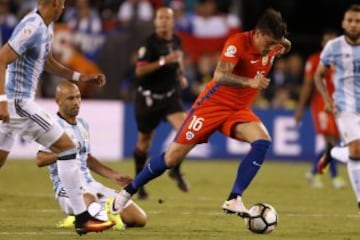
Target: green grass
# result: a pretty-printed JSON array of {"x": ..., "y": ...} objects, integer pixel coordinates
[{"x": 28, "y": 209}]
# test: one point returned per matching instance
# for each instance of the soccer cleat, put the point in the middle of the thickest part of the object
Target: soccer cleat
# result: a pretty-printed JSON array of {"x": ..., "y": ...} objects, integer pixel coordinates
[
  {"x": 142, "y": 194},
  {"x": 119, "y": 202},
  {"x": 338, "y": 182},
  {"x": 67, "y": 222},
  {"x": 119, "y": 225},
  {"x": 314, "y": 180},
  {"x": 236, "y": 206},
  {"x": 179, "y": 178},
  {"x": 85, "y": 223}
]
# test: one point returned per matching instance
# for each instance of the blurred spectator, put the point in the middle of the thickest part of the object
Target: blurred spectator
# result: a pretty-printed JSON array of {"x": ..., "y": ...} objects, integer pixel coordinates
[
  {"x": 283, "y": 100},
  {"x": 8, "y": 21},
  {"x": 86, "y": 24},
  {"x": 277, "y": 78},
  {"x": 183, "y": 19},
  {"x": 82, "y": 18},
  {"x": 294, "y": 74},
  {"x": 67, "y": 54},
  {"x": 25, "y": 6},
  {"x": 135, "y": 11},
  {"x": 208, "y": 29}
]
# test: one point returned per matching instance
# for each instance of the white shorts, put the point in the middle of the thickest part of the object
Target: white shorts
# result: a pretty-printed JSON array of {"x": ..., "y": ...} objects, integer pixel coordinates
[
  {"x": 30, "y": 121},
  {"x": 95, "y": 188},
  {"x": 349, "y": 126}
]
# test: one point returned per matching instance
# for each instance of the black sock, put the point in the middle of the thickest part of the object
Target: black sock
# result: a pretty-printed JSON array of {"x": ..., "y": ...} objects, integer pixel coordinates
[
  {"x": 140, "y": 158},
  {"x": 130, "y": 189},
  {"x": 82, "y": 218},
  {"x": 232, "y": 196}
]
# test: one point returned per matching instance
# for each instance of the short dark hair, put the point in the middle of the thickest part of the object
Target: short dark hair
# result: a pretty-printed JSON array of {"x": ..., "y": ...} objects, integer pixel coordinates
[
  {"x": 354, "y": 8},
  {"x": 271, "y": 22}
]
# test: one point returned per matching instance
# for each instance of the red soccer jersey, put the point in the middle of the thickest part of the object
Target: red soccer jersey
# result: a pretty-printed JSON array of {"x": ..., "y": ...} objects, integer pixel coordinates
[
  {"x": 324, "y": 123},
  {"x": 239, "y": 50}
]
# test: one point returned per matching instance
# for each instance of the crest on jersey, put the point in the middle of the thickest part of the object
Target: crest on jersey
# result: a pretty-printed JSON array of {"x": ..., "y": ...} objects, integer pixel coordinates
[
  {"x": 265, "y": 60},
  {"x": 141, "y": 52},
  {"x": 230, "y": 51},
  {"x": 189, "y": 135}
]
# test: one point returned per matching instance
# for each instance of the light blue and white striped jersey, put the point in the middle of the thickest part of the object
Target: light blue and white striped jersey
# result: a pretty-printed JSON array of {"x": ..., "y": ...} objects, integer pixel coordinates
[
  {"x": 31, "y": 40},
  {"x": 346, "y": 60},
  {"x": 79, "y": 133}
]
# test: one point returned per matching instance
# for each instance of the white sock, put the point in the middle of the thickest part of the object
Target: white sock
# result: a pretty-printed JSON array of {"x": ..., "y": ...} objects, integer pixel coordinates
[
  {"x": 69, "y": 174},
  {"x": 340, "y": 153},
  {"x": 354, "y": 176}
]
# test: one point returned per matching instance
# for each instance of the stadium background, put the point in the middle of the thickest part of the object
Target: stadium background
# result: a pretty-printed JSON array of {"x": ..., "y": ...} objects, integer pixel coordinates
[{"x": 112, "y": 49}]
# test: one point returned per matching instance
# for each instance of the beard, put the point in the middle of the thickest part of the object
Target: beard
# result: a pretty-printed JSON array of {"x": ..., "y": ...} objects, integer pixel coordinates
[{"x": 354, "y": 37}]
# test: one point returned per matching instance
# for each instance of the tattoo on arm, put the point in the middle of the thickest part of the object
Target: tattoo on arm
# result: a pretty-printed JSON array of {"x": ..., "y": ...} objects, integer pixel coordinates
[{"x": 223, "y": 75}]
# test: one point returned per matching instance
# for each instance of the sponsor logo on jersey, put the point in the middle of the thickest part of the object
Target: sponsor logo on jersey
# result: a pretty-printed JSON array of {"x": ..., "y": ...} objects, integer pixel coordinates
[{"x": 230, "y": 51}]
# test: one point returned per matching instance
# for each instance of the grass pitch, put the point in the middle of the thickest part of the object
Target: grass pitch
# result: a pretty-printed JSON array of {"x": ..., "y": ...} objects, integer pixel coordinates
[{"x": 28, "y": 209}]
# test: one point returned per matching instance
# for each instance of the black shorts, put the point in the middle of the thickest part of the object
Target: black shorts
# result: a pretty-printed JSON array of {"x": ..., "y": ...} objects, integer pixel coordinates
[{"x": 149, "y": 117}]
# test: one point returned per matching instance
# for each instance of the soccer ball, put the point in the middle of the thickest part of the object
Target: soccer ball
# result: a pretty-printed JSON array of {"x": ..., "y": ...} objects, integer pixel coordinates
[{"x": 263, "y": 218}]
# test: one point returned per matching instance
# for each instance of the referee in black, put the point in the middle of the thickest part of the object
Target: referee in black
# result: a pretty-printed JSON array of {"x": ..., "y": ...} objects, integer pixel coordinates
[{"x": 159, "y": 73}]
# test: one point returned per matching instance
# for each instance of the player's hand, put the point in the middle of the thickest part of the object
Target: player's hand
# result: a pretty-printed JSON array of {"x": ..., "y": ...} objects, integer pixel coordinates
[
  {"x": 98, "y": 78},
  {"x": 122, "y": 179},
  {"x": 299, "y": 113},
  {"x": 174, "y": 56},
  {"x": 259, "y": 82},
  {"x": 329, "y": 106},
  {"x": 4, "y": 113}
]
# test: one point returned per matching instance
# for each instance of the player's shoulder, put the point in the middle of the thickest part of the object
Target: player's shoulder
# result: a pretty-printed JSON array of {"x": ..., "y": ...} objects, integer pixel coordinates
[
  {"x": 313, "y": 57},
  {"x": 240, "y": 36}
]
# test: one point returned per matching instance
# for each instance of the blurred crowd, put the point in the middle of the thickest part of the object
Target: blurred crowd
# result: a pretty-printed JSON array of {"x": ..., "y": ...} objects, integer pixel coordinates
[{"x": 104, "y": 35}]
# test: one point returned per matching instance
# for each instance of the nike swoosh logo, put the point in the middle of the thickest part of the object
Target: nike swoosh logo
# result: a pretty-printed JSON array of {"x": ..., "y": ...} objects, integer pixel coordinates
[
  {"x": 256, "y": 164},
  {"x": 253, "y": 61}
]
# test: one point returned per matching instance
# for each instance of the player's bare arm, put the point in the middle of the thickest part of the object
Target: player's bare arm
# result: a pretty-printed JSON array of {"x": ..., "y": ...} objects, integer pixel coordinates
[
  {"x": 7, "y": 56},
  {"x": 96, "y": 166},
  {"x": 56, "y": 68},
  {"x": 321, "y": 87},
  {"x": 223, "y": 75},
  {"x": 305, "y": 92},
  {"x": 183, "y": 82},
  {"x": 45, "y": 158}
]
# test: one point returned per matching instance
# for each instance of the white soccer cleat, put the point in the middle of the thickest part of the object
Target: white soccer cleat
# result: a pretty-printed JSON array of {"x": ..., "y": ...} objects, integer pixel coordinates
[
  {"x": 236, "y": 206},
  {"x": 338, "y": 182},
  {"x": 340, "y": 153},
  {"x": 119, "y": 202}
]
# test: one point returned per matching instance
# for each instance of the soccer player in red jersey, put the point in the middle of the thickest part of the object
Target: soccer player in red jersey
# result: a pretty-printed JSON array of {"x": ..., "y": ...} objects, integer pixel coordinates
[
  {"x": 324, "y": 123},
  {"x": 224, "y": 105}
]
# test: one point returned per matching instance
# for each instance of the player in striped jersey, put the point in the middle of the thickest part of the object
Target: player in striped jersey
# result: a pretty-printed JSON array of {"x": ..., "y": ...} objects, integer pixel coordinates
[
  {"x": 24, "y": 57},
  {"x": 343, "y": 53},
  {"x": 68, "y": 99}
]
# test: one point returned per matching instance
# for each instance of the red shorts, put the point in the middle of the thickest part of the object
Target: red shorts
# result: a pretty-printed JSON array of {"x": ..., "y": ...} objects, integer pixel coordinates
[
  {"x": 203, "y": 120},
  {"x": 324, "y": 123}
]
